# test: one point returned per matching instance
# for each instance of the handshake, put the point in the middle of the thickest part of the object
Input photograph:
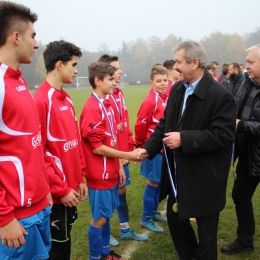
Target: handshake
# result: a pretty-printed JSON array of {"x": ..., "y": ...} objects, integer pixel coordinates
[{"x": 137, "y": 155}]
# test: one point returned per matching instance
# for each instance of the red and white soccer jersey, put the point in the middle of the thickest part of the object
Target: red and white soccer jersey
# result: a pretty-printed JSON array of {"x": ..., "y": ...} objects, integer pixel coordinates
[
  {"x": 125, "y": 140},
  {"x": 64, "y": 159},
  {"x": 98, "y": 127},
  {"x": 23, "y": 180},
  {"x": 168, "y": 90},
  {"x": 148, "y": 116}
]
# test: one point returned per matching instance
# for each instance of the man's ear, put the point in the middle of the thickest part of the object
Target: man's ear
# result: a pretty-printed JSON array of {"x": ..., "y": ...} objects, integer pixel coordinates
[
  {"x": 58, "y": 65},
  {"x": 196, "y": 63},
  {"x": 16, "y": 38}
]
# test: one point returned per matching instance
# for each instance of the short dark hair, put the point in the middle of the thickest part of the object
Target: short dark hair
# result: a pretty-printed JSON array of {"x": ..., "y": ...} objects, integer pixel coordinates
[
  {"x": 100, "y": 70},
  {"x": 214, "y": 63},
  {"x": 107, "y": 58},
  {"x": 225, "y": 67},
  {"x": 59, "y": 51},
  {"x": 168, "y": 64},
  {"x": 235, "y": 65},
  {"x": 14, "y": 17},
  {"x": 210, "y": 67}
]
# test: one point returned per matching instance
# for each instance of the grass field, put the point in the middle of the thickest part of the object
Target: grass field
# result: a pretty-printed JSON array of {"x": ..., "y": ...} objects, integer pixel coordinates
[{"x": 159, "y": 246}]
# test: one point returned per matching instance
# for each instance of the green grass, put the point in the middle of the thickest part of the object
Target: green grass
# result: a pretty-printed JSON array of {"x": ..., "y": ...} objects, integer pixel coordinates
[{"x": 159, "y": 245}]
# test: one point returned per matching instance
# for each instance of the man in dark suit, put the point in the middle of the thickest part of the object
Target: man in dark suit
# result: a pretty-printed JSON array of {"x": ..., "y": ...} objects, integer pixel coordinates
[{"x": 197, "y": 131}]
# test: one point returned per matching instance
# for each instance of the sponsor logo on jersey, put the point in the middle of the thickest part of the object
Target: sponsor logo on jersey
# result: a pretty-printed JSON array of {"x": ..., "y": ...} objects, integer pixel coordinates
[
  {"x": 70, "y": 145},
  {"x": 20, "y": 88},
  {"x": 64, "y": 108},
  {"x": 37, "y": 140}
]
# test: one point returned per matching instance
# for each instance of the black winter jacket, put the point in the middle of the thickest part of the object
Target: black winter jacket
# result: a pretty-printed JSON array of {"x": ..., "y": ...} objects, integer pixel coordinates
[
  {"x": 235, "y": 82},
  {"x": 251, "y": 127}
]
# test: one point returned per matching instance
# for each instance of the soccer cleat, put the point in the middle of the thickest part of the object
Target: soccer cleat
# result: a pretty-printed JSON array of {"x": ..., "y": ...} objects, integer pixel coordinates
[
  {"x": 113, "y": 241},
  {"x": 112, "y": 256},
  {"x": 134, "y": 235},
  {"x": 159, "y": 217},
  {"x": 151, "y": 225}
]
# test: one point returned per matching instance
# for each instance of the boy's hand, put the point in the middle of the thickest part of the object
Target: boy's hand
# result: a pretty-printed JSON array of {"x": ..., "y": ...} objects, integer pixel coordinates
[
  {"x": 122, "y": 177},
  {"x": 83, "y": 191},
  {"x": 13, "y": 234},
  {"x": 125, "y": 162},
  {"x": 49, "y": 197},
  {"x": 71, "y": 199}
]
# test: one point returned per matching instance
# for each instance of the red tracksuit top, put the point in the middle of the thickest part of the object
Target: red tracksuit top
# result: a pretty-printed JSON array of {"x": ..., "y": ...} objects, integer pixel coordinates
[
  {"x": 125, "y": 140},
  {"x": 23, "y": 179},
  {"x": 102, "y": 171},
  {"x": 168, "y": 90},
  {"x": 64, "y": 159},
  {"x": 148, "y": 116}
]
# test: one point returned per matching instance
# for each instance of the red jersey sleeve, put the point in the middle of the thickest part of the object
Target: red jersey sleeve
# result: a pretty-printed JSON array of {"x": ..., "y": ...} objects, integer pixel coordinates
[{"x": 144, "y": 117}]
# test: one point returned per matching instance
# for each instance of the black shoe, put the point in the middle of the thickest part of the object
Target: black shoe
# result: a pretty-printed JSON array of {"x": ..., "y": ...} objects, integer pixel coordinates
[{"x": 234, "y": 248}]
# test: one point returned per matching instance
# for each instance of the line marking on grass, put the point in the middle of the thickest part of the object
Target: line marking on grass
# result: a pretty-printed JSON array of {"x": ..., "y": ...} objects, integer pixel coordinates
[{"x": 133, "y": 245}]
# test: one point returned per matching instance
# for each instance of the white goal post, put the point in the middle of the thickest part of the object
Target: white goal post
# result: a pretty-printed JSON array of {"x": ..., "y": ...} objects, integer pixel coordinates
[{"x": 77, "y": 84}]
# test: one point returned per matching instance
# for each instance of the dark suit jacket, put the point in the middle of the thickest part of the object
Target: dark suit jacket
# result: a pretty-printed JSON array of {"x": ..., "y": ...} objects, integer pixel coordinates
[{"x": 207, "y": 129}]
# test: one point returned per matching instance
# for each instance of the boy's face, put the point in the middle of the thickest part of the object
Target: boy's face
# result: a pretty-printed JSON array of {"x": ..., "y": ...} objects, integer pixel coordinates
[
  {"x": 69, "y": 70},
  {"x": 107, "y": 85},
  {"x": 159, "y": 83},
  {"x": 118, "y": 71},
  {"x": 28, "y": 44}
]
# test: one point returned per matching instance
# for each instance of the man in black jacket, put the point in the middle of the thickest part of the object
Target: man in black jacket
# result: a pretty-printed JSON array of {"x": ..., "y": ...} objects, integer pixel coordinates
[
  {"x": 235, "y": 79},
  {"x": 197, "y": 130},
  {"x": 247, "y": 174}
]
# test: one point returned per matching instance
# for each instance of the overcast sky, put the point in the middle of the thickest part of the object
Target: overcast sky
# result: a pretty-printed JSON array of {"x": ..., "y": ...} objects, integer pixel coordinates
[{"x": 89, "y": 24}]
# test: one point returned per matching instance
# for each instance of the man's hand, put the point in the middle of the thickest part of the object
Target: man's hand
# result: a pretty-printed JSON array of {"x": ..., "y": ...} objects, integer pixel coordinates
[
  {"x": 83, "y": 191},
  {"x": 13, "y": 234},
  {"x": 237, "y": 121},
  {"x": 172, "y": 140},
  {"x": 122, "y": 177},
  {"x": 142, "y": 154},
  {"x": 71, "y": 199},
  {"x": 49, "y": 197}
]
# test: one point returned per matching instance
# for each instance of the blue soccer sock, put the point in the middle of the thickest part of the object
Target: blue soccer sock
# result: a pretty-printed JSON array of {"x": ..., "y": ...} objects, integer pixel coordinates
[
  {"x": 95, "y": 242},
  {"x": 123, "y": 214},
  {"x": 105, "y": 238},
  {"x": 148, "y": 201},
  {"x": 156, "y": 200}
]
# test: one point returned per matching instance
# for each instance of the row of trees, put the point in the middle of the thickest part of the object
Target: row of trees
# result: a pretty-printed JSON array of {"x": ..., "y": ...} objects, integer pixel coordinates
[{"x": 137, "y": 57}]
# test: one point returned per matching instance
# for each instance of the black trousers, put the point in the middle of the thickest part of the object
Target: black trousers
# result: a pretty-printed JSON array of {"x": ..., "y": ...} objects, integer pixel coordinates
[
  {"x": 60, "y": 250},
  {"x": 184, "y": 238},
  {"x": 242, "y": 193}
]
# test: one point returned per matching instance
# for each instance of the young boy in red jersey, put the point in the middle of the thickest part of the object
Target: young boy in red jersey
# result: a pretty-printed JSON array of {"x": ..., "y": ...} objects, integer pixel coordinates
[
  {"x": 24, "y": 207},
  {"x": 149, "y": 115},
  {"x": 173, "y": 75},
  {"x": 64, "y": 159},
  {"x": 104, "y": 170},
  {"x": 125, "y": 143}
]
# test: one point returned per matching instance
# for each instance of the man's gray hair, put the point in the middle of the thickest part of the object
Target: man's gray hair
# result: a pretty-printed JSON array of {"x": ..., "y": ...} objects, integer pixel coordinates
[
  {"x": 257, "y": 46},
  {"x": 194, "y": 50}
]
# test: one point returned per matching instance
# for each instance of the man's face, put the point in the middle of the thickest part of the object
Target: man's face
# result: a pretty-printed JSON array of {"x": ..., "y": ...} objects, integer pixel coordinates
[
  {"x": 215, "y": 69},
  {"x": 159, "y": 83},
  {"x": 242, "y": 68},
  {"x": 184, "y": 68},
  {"x": 118, "y": 72},
  {"x": 253, "y": 65},
  {"x": 69, "y": 70},
  {"x": 231, "y": 71},
  {"x": 28, "y": 44}
]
